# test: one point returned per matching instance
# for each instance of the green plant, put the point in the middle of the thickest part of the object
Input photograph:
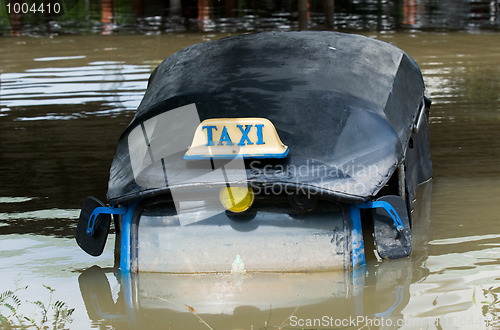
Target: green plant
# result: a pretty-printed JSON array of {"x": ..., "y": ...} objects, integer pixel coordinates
[{"x": 53, "y": 315}]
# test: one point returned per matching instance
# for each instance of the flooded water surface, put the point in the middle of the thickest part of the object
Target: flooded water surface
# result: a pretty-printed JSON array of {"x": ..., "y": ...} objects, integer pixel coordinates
[{"x": 64, "y": 102}]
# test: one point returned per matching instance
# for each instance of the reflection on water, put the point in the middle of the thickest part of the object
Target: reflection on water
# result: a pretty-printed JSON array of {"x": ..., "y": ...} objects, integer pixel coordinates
[
  {"x": 65, "y": 101},
  {"x": 258, "y": 300},
  {"x": 114, "y": 84},
  {"x": 153, "y": 17}
]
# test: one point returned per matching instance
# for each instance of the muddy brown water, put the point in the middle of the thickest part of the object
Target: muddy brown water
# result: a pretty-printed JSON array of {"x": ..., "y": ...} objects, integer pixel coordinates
[{"x": 64, "y": 101}]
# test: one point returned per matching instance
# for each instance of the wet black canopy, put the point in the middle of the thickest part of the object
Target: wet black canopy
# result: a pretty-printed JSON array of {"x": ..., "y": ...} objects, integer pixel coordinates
[{"x": 343, "y": 104}]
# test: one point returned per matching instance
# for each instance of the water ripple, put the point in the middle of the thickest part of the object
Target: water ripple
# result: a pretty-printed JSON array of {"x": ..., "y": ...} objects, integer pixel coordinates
[{"x": 114, "y": 84}]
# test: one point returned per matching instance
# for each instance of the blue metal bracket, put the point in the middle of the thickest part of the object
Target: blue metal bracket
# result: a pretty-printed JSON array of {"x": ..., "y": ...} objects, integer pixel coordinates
[
  {"x": 386, "y": 206},
  {"x": 125, "y": 245},
  {"x": 103, "y": 210},
  {"x": 357, "y": 245},
  {"x": 358, "y": 256}
]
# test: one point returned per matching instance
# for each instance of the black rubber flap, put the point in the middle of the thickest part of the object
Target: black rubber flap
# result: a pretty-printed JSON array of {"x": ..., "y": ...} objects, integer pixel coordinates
[
  {"x": 390, "y": 243},
  {"x": 93, "y": 245}
]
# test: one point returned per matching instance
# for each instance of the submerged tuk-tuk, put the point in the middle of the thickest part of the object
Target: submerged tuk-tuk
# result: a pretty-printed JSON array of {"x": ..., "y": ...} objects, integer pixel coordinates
[{"x": 268, "y": 152}]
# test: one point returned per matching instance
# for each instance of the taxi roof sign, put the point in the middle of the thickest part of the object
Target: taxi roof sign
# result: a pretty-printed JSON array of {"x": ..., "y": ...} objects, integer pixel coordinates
[{"x": 223, "y": 138}]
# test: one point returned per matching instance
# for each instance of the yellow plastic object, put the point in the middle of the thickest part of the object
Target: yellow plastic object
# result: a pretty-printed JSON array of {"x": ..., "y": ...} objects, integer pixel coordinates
[{"x": 237, "y": 199}]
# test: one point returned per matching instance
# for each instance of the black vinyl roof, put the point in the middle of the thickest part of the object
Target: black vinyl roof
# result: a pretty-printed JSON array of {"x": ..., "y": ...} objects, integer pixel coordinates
[{"x": 341, "y": 101}]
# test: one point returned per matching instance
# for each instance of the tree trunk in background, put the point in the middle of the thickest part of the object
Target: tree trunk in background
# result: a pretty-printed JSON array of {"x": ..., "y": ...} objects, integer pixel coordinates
[
  {"x": 175, "y": 8},
  {"x": 203, "y": 13},
  {"x": 138, "y": 8},
  {"x": 16, "y": 21},
  {"x": 329, "y": 12},
  {"x": 231, "y": 5},
  {"x": 106, "y": 16},
  {"x": 303, "y": 15}
]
